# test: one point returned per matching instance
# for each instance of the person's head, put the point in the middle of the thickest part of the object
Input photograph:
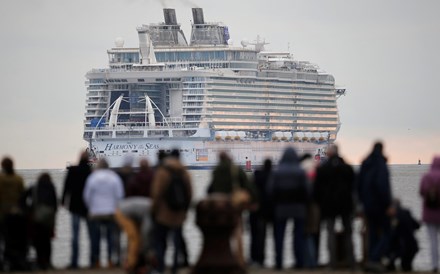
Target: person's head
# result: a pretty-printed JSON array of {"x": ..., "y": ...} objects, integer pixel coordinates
[
  {"x": 84, "y": 156},
  {"x": 289, "y": 157},
  {"x": 175, "y": 153},
  {"x": 332, "y": 150},
  {"x": 102, "y": 164},
  {"x": 267, "y": 165},
  {"x": 144, "y": 165},
  {"x": 44, "y": 178},
  {"x": 224, "y": 157},
  {"x": 127, "y": 161},
  {"x": 378, "y": 147},
  {"x": 161, "y": 155},
  {"x": 8, "y": 166}
]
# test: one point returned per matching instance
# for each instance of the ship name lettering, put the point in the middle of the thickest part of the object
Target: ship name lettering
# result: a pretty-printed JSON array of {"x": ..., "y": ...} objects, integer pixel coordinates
[
  {"x": 115, "y": 147},
  {"x": 151, "y": 146}
]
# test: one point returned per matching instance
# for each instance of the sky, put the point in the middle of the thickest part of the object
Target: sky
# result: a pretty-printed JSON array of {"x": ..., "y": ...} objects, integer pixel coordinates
[{"x": 385, "y": 53}]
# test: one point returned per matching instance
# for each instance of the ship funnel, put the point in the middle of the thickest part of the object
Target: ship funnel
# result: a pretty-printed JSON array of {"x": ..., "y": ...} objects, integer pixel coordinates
[
  {"x": 170, "y": 16},
  {"x": 198, "y": 16}
]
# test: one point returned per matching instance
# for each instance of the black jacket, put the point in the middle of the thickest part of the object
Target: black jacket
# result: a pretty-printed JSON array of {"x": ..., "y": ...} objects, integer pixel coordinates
[
  {"x": 334, "y": 188},
  {"x": 73, "y": 188}
]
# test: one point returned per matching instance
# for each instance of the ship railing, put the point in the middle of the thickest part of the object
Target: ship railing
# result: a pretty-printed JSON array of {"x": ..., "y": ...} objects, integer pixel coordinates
[{"x": 158, "y": 127}]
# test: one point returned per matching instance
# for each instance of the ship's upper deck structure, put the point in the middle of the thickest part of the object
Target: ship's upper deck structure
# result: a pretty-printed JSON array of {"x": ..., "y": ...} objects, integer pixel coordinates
[{"x": 211, "y": 84}]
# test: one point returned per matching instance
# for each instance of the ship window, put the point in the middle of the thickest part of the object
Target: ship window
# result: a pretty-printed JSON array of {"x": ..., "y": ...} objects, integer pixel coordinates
[
  {"x": 135, "y": 151},
  {"x": 124, "y": 151},
  {"x": 141, "y": 80},
  {"x": 158, "y": 79}
]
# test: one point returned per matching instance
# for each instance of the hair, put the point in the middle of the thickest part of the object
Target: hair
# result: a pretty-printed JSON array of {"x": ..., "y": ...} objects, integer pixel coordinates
[
  {"x": 267, "y": 165},
  {"x": 144, "y": 164},
  {"x": 161, "y": 155},
  {"x": 8, "y": 166},
  {"x": 102, "y": 164},
  {"x": 175, "y": 153},
  {"x": 378, "y": 146},
  {"x": 333, "y": 150},
  {"x": 224, "y": 157},
  {"x": 44, "y": 178},
  {"x": 84, "y": 156}
]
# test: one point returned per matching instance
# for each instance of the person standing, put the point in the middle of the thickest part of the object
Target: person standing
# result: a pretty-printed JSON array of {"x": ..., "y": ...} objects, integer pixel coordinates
[
  {"x": 430, "y": 192},
  {"x": 72, "y": 199},
  {"x": 374, "y": 191},
  {"x": 133, "y": 215},
  {"x": 102, "y": 193},
  {"x": 140, "y": 184},
  {"x": 290, "y": 194},
  {"x": 169, "y": 218},
  {"x": 260, "y": 218},
  {"x": 43, "y": 203},
  {"x": 227, "y": 178},
  {"x": 11, "y": 190},
  {"x": 334, "y": 190}
]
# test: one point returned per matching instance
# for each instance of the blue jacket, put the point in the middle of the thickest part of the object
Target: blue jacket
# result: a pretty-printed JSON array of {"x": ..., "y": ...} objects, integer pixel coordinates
[
  {"x": 288, "y": 187},
  {"x": 374, "y": 188}
]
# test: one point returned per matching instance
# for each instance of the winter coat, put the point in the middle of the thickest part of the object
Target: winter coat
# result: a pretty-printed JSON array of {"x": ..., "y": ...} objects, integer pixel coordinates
[
  {"x": 403, "y": 240},
  {"x": 42, "y": 193},
  {"x": 222, "y": 180},
  {"x": 429, "y": 181},
  {"x": 102, "y": 193},
  {"x": 374, "y": 188},
  {"x": 11, "y": 191},
  {"x": 265, "y": 208},
  {"x": 334, "y": 188},
  {"x": 162, "y": 178},
  {"x": 139, "y": 185},
  {"x": 288, "y": 188},
  {"x": 74, "y": 187}
]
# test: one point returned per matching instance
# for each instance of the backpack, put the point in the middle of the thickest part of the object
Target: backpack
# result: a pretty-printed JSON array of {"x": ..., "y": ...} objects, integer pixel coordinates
[
  {"x": 176, "y": 194},
  {"x": 432, "y": 198}
]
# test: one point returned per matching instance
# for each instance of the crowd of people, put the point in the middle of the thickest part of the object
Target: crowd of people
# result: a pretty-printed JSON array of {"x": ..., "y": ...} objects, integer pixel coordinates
[{"x": 150, "y": 204}]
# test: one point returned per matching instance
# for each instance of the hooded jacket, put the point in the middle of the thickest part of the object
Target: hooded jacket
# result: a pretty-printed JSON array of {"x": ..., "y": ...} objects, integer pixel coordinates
[
  {"x": 431, "y": 180},
  {"x": 374, "y": 188},
  {"x": 288, "y": 187}
]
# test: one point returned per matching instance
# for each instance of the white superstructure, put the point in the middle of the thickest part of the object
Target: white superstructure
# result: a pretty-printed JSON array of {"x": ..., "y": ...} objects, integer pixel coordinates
[{"x": 205, "y": 97}]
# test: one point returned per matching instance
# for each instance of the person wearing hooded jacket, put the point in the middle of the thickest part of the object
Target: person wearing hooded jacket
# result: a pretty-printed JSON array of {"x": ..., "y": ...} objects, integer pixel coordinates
[
  {"x": 289, "y": 192},
  {"x": 429, "y": 189},
  {"x": 374, "y": 191}
]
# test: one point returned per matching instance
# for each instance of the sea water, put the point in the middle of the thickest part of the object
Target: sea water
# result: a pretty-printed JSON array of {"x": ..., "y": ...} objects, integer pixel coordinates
[{"x": 405, "y": 185}]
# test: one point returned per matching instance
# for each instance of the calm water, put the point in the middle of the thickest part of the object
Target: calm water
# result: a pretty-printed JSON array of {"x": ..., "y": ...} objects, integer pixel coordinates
[{"x": 405, "y": 180}]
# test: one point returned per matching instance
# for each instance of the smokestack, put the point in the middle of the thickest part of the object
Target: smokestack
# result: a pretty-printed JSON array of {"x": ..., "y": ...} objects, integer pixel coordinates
[
  {"x": 170, "y": 16},
  {"x": 198, "y": 16}
]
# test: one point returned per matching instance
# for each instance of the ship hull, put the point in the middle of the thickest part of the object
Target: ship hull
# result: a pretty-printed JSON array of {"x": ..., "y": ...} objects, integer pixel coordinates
[{"x": 198, "y": 154}]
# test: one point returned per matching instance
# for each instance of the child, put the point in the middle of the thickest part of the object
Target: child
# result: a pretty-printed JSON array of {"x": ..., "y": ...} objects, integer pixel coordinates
[{"x": 403, "y": 243}]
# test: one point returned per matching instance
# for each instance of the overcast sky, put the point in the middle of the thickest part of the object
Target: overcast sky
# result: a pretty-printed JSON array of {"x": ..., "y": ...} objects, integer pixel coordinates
[{"x": 386, "y": 54}]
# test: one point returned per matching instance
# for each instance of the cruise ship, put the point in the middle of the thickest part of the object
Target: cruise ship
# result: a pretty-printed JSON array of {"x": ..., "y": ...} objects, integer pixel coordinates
[{"x": 204, "y": 96}]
